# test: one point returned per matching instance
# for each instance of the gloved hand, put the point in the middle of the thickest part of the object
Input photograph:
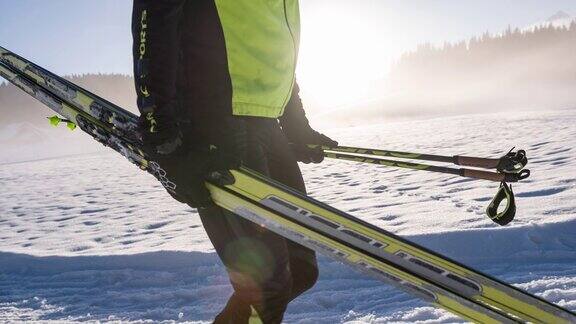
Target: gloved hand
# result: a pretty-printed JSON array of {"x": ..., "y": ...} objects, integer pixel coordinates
[
  {"x": 301, "y": 137},
  {"x": 184, "y": 175},
  {"x": 299, "y": 133},
  {"x": 182, "y": 168},
  {"x": 160, "y": 134}
]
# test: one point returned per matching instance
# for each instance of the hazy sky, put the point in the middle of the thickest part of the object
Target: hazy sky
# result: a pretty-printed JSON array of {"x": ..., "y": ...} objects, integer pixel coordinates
[{"x": 346, "y": 44}]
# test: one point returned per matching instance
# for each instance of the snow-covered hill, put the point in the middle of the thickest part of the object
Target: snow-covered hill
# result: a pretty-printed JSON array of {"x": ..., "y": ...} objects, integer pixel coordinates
[{"x": 91, "y": 237}]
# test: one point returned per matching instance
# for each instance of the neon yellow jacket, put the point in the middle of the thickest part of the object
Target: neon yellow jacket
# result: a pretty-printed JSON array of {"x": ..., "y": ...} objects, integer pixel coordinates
[{"x": 262, "y": 39}]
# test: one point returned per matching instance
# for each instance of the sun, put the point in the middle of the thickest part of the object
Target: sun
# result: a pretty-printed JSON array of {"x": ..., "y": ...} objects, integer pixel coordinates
[{"x": 340, "y": 60}]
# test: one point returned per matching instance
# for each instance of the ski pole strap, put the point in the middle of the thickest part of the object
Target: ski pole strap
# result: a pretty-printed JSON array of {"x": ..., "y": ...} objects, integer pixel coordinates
[
  {"x": 513, "y": 161},
  {"x": 507, "y": 215}
]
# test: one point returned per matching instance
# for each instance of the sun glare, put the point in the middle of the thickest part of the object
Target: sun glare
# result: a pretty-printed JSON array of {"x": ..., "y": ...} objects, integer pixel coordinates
[{"x": 340, "y": 58}]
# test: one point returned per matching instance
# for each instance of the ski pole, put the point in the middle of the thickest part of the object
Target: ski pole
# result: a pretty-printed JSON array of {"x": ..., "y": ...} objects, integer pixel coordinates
[
  {"x": 463, "y": 172},
  {"x": 510, "y": 163},
  {"x": 505, "y": 193}
]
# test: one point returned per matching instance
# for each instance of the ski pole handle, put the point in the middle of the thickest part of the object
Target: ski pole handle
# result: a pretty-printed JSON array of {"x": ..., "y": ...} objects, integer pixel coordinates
[
  {"x": 484, "y": 175},
  {"x": 476, "y": 162},
  {"x": 495, "y": 176}
]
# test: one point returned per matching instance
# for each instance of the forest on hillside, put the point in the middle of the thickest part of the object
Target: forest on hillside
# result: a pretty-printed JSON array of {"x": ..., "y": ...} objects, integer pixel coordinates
[{"x": 535, "y": 67}]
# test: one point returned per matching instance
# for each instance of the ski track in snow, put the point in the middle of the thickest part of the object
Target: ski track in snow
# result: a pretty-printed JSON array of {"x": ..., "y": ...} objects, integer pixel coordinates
[{"x": 90, "y": 237}]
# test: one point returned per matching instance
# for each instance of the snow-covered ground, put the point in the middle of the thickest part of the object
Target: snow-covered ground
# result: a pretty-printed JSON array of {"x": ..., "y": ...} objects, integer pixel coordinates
[{"x": 91, "y": 237}]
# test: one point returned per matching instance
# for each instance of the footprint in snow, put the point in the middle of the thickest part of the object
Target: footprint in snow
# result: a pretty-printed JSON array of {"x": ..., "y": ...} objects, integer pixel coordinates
[
  {"x": 63, "y": 219},
  {"x": 92, "y": 211},
  {"x": 558, "y": 151},
  {"x": 459, "y": 205},
  {"x": 379, "y": 189},
  {"x": 157, "y": 225},
  {"x": 557, "y": 163},
  {"x": 79, "y": 248},
  {"x": 542, "y": 193},
  {"x": 537, "y": 145},
  {"x": 388, "y": 217},
  {"x": 352, "y": 198},
  {"x": 409, "y": 188},
  {"x": 129, "y": 242}
]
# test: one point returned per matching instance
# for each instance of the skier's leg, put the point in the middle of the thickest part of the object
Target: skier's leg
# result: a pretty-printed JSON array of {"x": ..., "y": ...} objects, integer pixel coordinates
[
  {"x": 284, "y": 168},
  {"x": 257, "y": 263},
  {"x": 257, "y": 259},
  {"x": 303, "y": 267}
]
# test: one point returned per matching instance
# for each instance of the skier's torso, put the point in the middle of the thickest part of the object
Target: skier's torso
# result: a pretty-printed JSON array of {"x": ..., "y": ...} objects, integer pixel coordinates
[{"x": 239, "y": 57}]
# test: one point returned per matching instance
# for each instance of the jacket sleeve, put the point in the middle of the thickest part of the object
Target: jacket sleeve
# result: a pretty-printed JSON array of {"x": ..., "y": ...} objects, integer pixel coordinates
[
  {"x": 156, "y": 54},
  {"x": 294, "y": 120},
  {"x": 297, "y": 128}
]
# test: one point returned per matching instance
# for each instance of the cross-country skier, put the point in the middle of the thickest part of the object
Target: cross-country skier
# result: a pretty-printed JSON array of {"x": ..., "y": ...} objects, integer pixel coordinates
[{"x": 216, "y": 87}]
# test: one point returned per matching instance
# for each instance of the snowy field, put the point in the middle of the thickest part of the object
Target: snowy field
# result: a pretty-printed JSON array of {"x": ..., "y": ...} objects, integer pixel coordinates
[{"x": 91, "y": 238}]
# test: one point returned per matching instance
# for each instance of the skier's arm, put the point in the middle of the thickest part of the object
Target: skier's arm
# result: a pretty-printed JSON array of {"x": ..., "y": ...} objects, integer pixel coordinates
[
  {"x": 297, "y": 129},
  {"x": 156, "y": 56}
]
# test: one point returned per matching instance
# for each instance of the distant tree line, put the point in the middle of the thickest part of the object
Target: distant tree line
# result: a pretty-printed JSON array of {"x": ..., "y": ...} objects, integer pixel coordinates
[{"x": 539, "y": 55}]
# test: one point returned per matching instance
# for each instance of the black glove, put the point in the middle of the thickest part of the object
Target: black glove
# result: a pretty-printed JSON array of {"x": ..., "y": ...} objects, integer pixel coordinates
[
  {"x": 300, "y": 138},
  {"x": 181, "y": 167},
  {"x": 184, "y": 175},
  {"x": 160, "y": 134},
  {"x": 299, "y": 133}
]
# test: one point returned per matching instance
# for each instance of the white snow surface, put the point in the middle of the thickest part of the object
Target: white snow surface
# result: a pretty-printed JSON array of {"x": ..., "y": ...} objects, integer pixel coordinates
[{"x": 92, "y": 238}]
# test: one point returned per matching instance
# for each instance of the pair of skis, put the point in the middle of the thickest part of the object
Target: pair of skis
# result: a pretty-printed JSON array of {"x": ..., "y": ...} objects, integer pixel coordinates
[{"x": 428, "y": 275}]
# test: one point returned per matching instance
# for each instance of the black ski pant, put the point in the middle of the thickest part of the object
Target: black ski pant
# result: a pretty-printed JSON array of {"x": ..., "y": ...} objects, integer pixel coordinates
[{"x": 266, "y": 270}]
